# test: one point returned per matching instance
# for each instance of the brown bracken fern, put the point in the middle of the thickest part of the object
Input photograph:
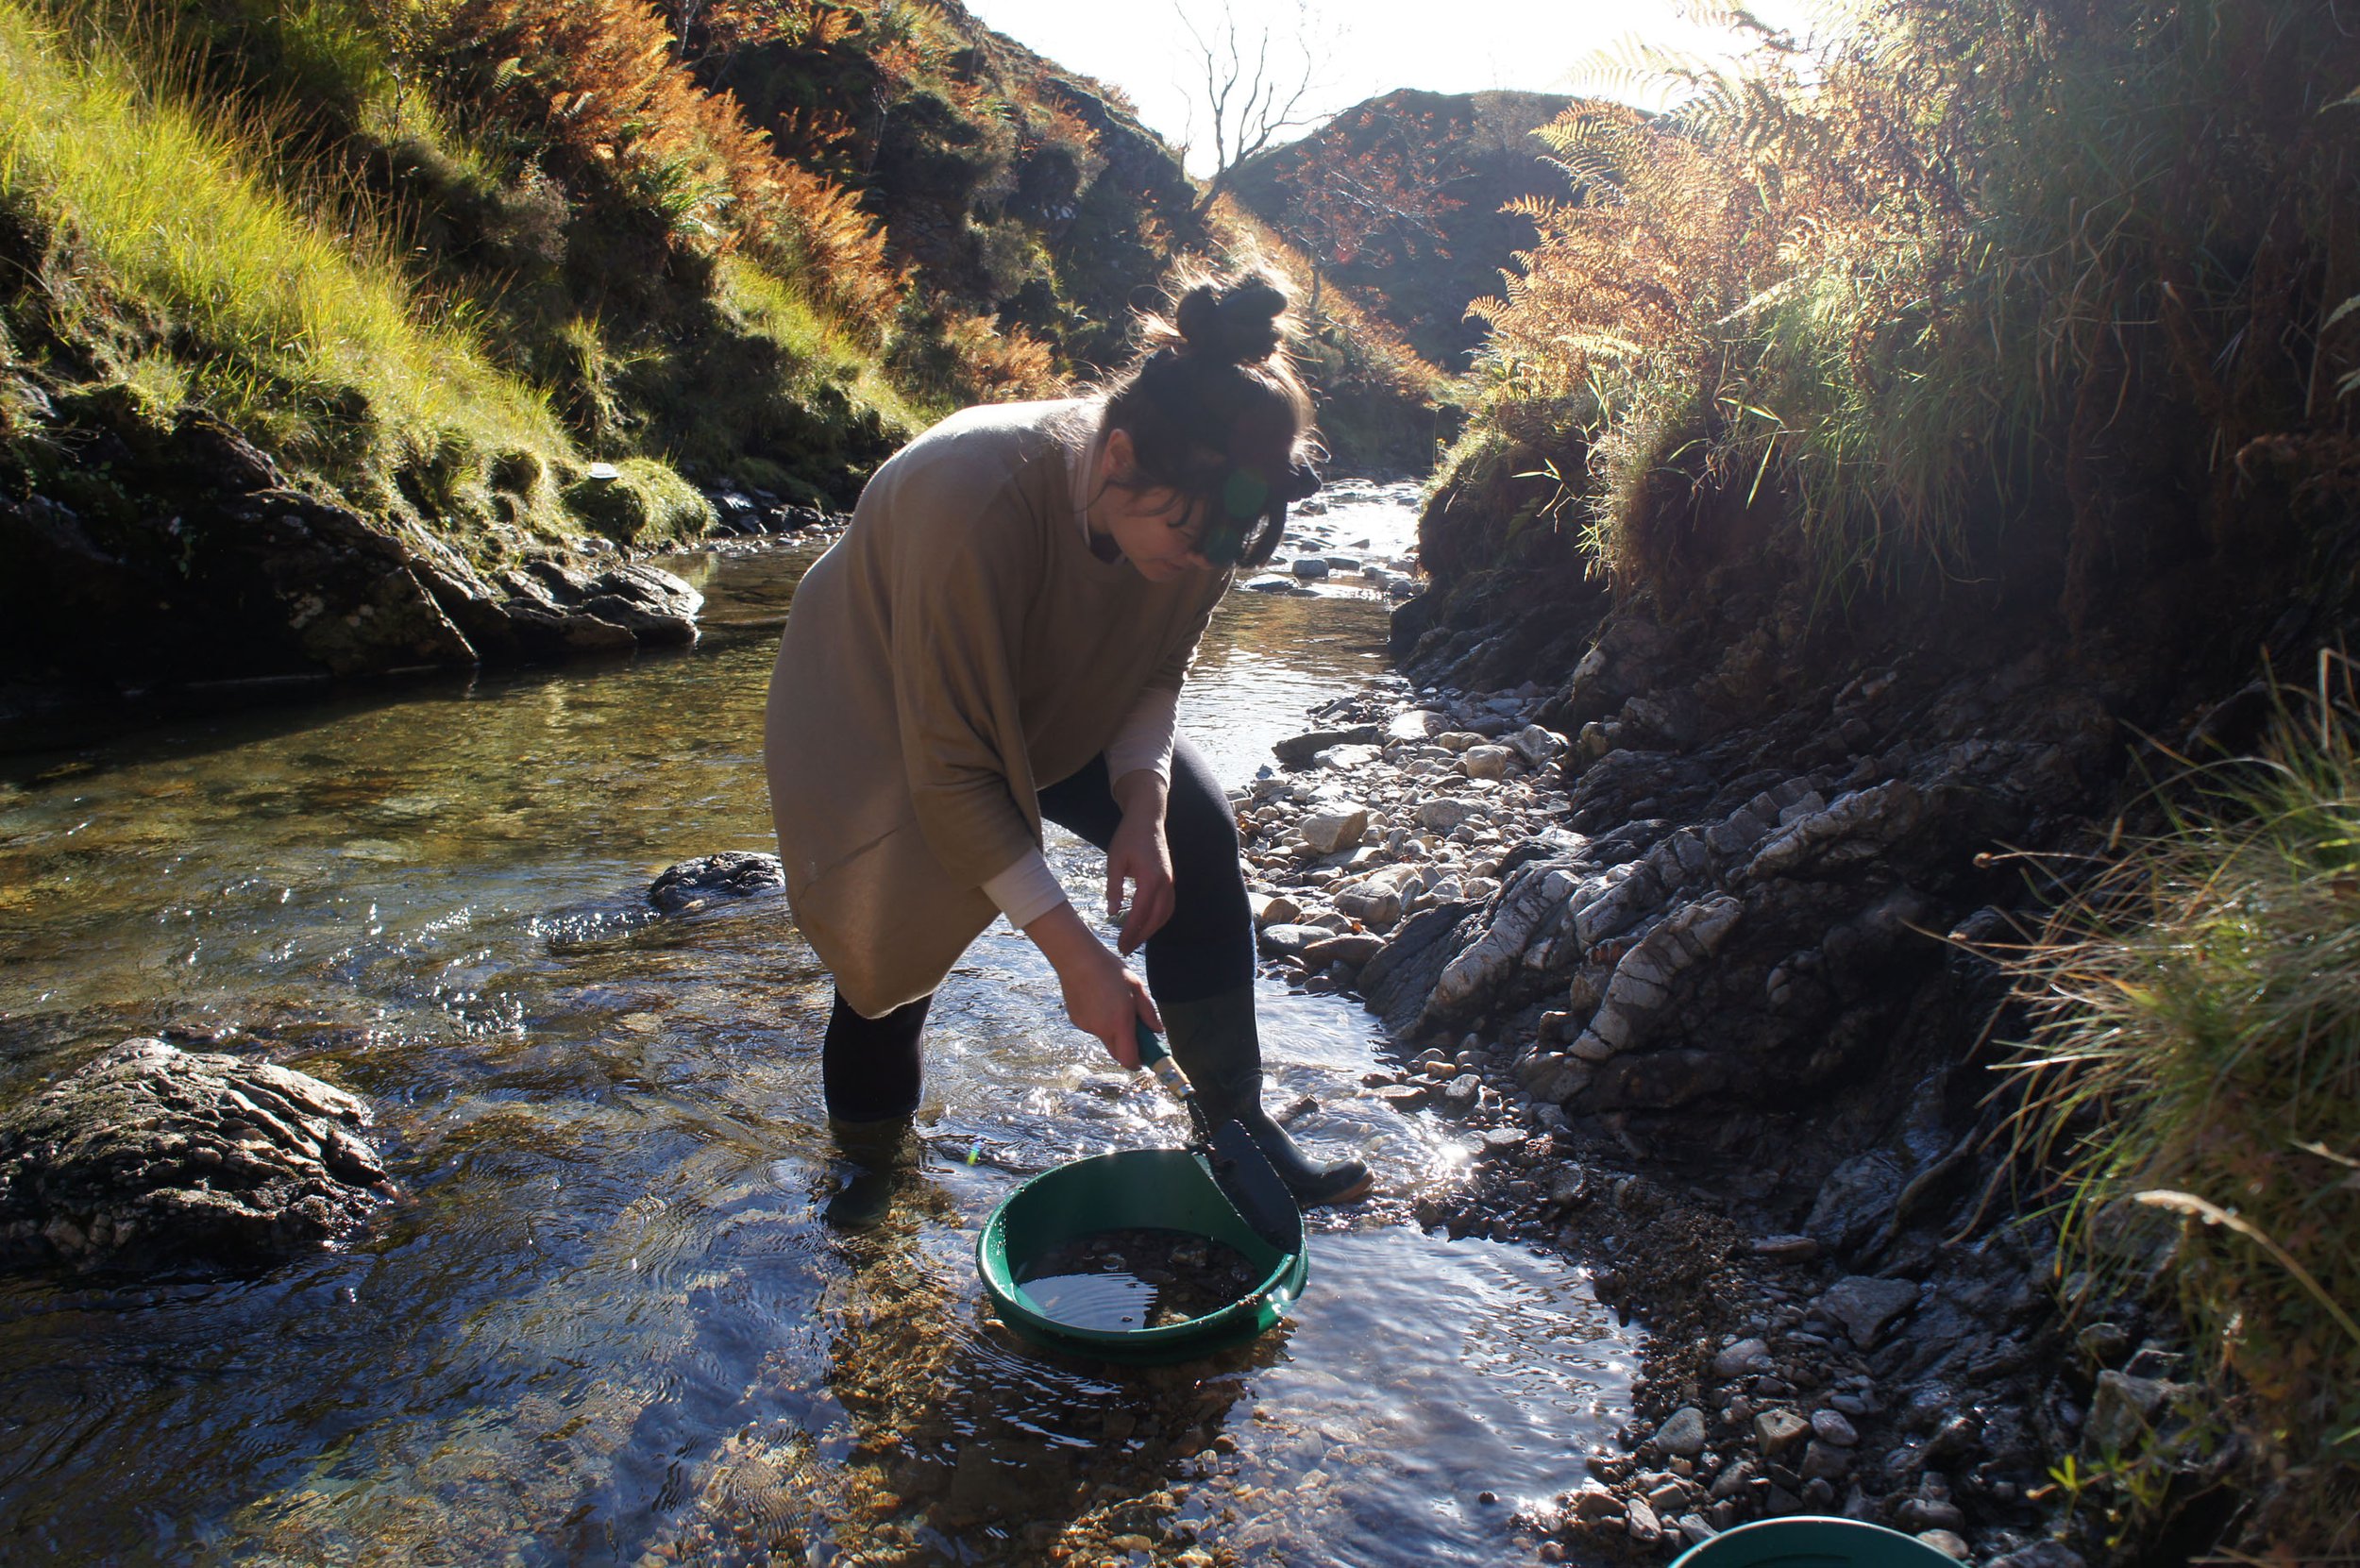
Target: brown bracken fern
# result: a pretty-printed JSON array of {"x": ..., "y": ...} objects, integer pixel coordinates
[{"x": 602, "y": 78}]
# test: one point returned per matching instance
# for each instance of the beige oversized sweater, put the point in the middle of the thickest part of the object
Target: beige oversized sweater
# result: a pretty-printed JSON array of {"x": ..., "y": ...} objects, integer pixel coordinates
[{"x": 958, "y": 648}]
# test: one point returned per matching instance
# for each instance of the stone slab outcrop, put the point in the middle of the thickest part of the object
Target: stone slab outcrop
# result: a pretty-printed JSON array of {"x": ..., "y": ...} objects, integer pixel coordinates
[
  {"x": 154, "y": 1155},
  {"x": 197, "y": 559}
]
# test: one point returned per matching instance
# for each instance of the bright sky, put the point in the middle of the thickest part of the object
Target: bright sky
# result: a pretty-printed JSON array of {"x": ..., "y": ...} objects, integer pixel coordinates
[{"x": 1360, "y": 47}]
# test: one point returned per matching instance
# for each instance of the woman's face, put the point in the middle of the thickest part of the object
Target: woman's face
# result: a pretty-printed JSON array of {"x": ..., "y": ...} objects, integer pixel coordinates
[{"x": 1156, "y": 530}]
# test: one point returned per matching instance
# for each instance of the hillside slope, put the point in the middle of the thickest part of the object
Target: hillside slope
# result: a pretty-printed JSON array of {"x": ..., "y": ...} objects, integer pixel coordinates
[
  {"x": 1008, "y": 187},
  {"x": 1400, "y": 198},
  {"x": 480, "y": 292}
]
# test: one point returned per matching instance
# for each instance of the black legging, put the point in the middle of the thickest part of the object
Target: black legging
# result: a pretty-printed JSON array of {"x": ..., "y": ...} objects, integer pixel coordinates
[{"x": 870, "y": 1067}]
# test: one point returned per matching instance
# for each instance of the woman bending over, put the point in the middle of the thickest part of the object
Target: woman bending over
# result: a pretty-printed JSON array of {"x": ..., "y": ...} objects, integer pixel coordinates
[{"x": 998, "y": 640}]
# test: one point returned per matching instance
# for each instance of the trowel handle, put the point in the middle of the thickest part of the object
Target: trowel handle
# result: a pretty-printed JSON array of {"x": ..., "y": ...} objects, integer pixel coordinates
[
  {"x": 1151, "y": 1047},
  {"x": 1157, "y": 1057}
]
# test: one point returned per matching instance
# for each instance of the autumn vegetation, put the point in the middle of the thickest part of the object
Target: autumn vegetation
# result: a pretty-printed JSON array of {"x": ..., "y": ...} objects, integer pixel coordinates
[
  {"x": 439, "y": 255},
  {"x": 2049, "y": 312},
  {"x": 1959, "y": 268}
]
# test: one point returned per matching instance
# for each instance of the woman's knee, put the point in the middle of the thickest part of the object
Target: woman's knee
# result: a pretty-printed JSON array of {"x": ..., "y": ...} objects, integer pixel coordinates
[{"x": 1198, "y": 819}]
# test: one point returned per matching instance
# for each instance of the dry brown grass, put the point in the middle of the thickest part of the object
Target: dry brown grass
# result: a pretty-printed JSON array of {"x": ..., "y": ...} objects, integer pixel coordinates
[{"x": 1960, "y": 266}]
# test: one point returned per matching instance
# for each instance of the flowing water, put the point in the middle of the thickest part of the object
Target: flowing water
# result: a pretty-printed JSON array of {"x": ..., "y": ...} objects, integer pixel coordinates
[{"x": 605, "y": 1322}]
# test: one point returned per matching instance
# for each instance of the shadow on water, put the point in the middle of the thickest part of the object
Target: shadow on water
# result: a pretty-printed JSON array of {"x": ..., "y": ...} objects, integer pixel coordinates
[{"x": 606, "y": 1322}]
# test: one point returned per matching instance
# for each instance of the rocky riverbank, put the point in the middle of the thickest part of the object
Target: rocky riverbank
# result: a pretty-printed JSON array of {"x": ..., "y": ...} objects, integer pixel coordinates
[
  {"x": 253, "y": 576},
  {"x": 1693, "y": 994}
]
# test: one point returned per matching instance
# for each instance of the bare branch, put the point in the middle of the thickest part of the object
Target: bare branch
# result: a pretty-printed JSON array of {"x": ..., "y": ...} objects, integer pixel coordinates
[{"x": 1249, "y": 105}]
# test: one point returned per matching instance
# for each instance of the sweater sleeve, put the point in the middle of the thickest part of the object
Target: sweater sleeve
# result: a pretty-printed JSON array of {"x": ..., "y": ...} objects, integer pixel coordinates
[
  {"x": 1143, "y": 739},
  {"x": 1026, "y": 890},
  {"x": 959, "y": 602}
]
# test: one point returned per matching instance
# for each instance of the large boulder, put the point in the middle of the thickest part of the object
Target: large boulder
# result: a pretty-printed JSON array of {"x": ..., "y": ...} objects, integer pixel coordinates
[{"x": 152, "y": 1154}]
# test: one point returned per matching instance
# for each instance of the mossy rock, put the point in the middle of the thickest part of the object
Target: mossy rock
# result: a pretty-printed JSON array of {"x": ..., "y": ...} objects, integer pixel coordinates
[
  {"x": 518, "y": 471},
  {"x": 645, "y": 503}
]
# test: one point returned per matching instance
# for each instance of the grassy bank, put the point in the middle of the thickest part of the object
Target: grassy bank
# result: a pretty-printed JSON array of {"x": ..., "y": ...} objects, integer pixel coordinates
[
  {"x": 187, "y": 279},
  {"x": 437, "y": 258},
  {"x": 2192, "y": 1095},
  {"x": 2004, "y": 286}
]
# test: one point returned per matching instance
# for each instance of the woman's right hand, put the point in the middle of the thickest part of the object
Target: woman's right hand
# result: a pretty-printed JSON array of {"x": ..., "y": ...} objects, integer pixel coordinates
[{"x": 1101, "y": 996}]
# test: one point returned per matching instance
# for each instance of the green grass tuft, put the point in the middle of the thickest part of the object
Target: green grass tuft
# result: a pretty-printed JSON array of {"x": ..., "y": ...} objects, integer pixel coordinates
[
  {"x": 645, "y": 504},
  {"x": 2194, "y": 1083},
  {"x": 770, "y": 306}
]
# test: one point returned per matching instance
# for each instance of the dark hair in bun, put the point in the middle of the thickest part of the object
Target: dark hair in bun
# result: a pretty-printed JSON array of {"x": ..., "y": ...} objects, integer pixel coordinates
[
  {"x": 1238, "y": 324},
  {"x": 1215, "y": 411}
]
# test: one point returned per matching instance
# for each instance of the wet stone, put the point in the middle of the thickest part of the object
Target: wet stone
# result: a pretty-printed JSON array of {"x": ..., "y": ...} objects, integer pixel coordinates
[
  {"x": 1855, "y": 1199},
  {"x": 730, "y": 874},
  {"x": 1780, "y": 1430},
  {"x": 1344, "y": 759},
  {"x": 1330, "y": 830},
  {"x": 2120, "y": 1410},
  {"x": 1444, "y": 814},
  {"x": 1288, "y": 941},
  {"x": 1300, "y": 751},
  {"x": 1274, "y": 909},
  {"x": 1739, "y": 1358},
  {"x": 1487, "y": 762},
  {"x": 1353, "y": 949},
  {"x": 1929, "y": 1513},
  {"x": 1825, "y": 1461},
  {"x": 1866, "y": 1305},
  {"x": 1830, "y": 1426},
  {"x": 1594, "y": 1502},
  {"x": 1415, "y": 724},
  {"x": 154, "y": 1155},
  {"x": 1683, "y": 1434}
]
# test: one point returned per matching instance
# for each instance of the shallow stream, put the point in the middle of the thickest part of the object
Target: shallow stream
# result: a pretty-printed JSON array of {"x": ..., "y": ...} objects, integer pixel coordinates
[{"x": 605, "y": 1324}]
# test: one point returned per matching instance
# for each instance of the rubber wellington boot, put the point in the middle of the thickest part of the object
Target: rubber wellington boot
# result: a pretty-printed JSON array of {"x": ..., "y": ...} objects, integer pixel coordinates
[
  {"x": 873, "y": 1159},
  {"x": 1217, "y": 1045}
]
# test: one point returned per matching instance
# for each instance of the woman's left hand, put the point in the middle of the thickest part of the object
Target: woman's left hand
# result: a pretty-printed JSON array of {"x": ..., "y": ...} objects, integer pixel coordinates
[{"x": 1140, "y": 856}]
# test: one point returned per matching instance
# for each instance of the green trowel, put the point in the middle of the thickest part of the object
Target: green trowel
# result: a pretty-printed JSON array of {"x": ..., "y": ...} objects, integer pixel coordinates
[{"x": 1240, "y": 1169}]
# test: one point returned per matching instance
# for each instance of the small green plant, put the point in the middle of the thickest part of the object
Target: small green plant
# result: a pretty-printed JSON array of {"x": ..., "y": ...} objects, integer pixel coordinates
[{"x": 2070, "y": 1482}]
